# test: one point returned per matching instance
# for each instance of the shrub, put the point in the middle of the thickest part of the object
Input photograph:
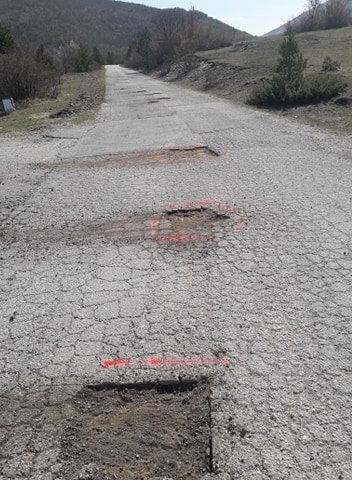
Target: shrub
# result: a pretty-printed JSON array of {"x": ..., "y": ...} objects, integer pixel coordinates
[
  {"x": 7, "y": 43},
  {"x": 315, "y": 88},
  {"x": 289, "y": 86},
  {"x": 21, "y": 77},
  {"x": 330, "y": 65},
  {"x": 320, "y": 87}
]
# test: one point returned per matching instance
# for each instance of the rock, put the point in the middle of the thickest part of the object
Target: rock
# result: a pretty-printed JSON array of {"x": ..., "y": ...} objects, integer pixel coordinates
[{"x": 343, "y": 101}]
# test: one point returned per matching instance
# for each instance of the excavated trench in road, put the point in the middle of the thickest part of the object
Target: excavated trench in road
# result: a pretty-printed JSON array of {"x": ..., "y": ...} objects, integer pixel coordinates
[
  {"x": 140, "y": 431},
  {"x": 115, "y": 431},
  {"x": 170, "y": 155}
]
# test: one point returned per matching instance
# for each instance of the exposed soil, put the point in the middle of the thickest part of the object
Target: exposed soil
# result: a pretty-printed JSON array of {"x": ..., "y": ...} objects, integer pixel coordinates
[
  {"x": 197, "y": 222},
  {"x": 136, "y": 227},
  {"x": 83, "y": 101},
  {"x": 183, "y": 223},
  {"x": 189, "y": 223},
  {"x": 219, "y": 78},
  {"x": 173, "y": 155},
  {"x": 111, "y": 432}
]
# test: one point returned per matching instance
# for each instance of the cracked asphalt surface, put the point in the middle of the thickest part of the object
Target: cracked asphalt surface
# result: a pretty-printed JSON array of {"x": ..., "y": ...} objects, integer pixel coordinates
[{"x": 273, "y": 297}]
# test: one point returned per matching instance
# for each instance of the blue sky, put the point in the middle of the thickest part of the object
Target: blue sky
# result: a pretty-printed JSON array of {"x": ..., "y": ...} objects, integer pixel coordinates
[{"x": 254, "y": 16}]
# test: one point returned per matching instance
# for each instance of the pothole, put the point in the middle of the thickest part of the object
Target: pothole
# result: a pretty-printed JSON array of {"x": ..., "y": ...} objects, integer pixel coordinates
[
  {"x": 192, "y": 222},
  {"x": 171, "y": 155},
  {"x": 200, "y": 221},
  {"x": 197, "y": 221},
  {"x": 140, "y": 431}
]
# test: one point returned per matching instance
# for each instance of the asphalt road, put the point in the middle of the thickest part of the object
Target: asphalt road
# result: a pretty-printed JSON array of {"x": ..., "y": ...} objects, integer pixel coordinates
[{"x": 234, "y": 244}]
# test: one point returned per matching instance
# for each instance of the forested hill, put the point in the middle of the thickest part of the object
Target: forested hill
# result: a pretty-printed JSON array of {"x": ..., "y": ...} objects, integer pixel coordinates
[{"x": 107, "y": 24}]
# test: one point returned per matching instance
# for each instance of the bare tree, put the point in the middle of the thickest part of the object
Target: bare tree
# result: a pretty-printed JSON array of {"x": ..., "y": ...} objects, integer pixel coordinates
[
  {"x": 337, "y": 14},
  {"x": 169, "y": 27},
  {"x": 314, "y": 8}
]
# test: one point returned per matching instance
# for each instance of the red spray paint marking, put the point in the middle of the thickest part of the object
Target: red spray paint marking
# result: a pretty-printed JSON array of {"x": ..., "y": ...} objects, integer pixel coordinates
[
  {"x": 116, "y": 363},
  {"x": 228, "y": 209},
  {"x": 153, "y": 362},
  {"x": 219, "y": 150},
  {"x": 161, "y": 158},
  {"x": 155, "y": 223},
  {"x": 239, "y": 225}
]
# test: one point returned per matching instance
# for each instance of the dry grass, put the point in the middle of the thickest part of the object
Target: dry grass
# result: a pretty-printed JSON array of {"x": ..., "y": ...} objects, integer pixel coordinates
[{"x": 85, "y": 91}]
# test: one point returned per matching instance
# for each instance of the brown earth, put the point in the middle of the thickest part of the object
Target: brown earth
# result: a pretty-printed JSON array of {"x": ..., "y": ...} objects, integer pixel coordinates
[
  {"x": 127, "y": 432},
  {"x": 195, "y": 223},
  {"x": 170, "y": 155}
]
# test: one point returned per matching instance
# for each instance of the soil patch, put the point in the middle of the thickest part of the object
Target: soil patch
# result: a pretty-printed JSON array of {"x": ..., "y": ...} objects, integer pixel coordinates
[
  {"x": 106, "y": 432},
  {"x": 197, "y": 221},
  {"x": 189, "y": 223},
  {"x": 173, "y": 155},
  {"x": 136, "y": 227},
  {"x": 139, "y": 432},
  {"x": 182, "y": 223},
  {"x": 194, "y": 220}
]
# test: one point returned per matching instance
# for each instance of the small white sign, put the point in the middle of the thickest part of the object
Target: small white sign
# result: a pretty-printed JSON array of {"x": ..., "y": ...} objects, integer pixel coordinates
[{"x": 9, "y": 105}]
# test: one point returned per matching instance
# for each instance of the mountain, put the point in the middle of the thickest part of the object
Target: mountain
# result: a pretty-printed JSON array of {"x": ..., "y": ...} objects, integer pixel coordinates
[
  {"x": 107, "y": 24},
  {"x": 281, "y": 30}
]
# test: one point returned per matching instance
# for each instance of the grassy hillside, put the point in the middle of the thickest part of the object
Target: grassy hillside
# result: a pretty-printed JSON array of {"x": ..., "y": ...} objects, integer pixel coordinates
[
  {"x": 247, "y": 62},
  {"x": 107, "y": 24}
]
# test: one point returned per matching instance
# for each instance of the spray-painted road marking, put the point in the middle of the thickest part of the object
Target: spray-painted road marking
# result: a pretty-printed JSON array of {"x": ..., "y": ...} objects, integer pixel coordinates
[{"x": 153, "y": 362}]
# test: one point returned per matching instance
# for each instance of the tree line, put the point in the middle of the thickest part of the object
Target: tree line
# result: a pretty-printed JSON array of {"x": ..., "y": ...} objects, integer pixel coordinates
[
  {"x": 324, "y": 16},
  {"x": 26, "y": 75},
  {"x": 175, "y": 34}
]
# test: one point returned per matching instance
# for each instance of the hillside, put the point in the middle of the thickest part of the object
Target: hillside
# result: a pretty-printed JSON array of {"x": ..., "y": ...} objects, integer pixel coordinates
[
  {"x": 107, "y": 24},
  {"x": 233, "y": 71}
]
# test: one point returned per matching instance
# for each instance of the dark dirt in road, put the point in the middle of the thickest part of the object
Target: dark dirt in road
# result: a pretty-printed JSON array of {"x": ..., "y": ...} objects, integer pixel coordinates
[
  {"x": 107, "y": 432},
  {"x": 173, "y": 155},
  {"x": 184, "y": 223}
]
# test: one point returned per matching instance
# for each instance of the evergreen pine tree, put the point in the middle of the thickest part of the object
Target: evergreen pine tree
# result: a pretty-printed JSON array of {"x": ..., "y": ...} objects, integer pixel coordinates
[{"x": 290, "y": 65}]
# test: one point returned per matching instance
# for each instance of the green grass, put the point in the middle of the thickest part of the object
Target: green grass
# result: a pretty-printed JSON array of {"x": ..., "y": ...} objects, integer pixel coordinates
[
  {"x": 257, "y": 58},
  {"x": 84, "y": 90}
]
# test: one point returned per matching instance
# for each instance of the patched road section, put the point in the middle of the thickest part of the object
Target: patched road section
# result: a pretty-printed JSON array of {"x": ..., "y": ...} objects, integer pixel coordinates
[{"x": 175, "y": 294}]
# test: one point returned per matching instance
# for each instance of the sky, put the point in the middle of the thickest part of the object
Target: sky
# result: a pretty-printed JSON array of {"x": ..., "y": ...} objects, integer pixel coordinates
[{"x": 253, "y": 16}]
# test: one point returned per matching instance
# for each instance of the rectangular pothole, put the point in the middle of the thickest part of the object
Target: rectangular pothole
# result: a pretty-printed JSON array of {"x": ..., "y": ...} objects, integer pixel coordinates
[
  {"x": 139, "y": 431},
  {"x": 172, "y": 155}
]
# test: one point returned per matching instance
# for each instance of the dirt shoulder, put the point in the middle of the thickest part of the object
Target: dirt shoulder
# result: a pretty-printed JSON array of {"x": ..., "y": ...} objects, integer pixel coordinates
[{"x": 78, "y": 99}]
